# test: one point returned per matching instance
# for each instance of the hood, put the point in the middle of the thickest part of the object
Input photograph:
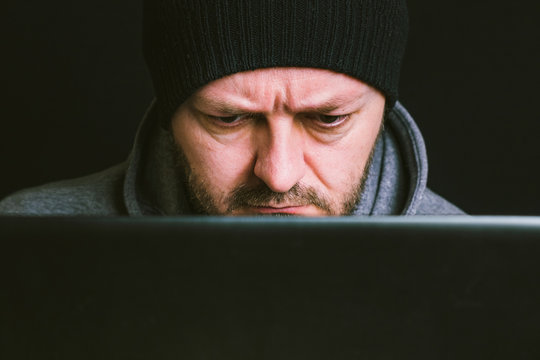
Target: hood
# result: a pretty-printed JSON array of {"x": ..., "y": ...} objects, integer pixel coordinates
[
  {"x": 397, "y": 178},
  {"x": 395, "y": 184}
]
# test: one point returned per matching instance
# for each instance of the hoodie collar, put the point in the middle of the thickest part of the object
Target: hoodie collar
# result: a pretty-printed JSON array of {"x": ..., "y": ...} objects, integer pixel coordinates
[{"x": 413, "y": 151}]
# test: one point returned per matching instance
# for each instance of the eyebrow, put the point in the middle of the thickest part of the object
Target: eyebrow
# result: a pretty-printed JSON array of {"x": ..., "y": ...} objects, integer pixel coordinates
[
  {"x": 331, "y": 104},
  {"x": 326, "y": 107},
  {"x": 216, "y": 105}
]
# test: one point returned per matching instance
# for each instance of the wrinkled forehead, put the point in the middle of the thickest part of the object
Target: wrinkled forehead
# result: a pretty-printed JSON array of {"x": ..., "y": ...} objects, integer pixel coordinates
[{"x": 291, "y": 87}]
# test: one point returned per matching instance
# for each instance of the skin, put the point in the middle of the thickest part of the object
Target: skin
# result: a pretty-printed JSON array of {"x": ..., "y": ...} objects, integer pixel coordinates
[{"x": 292, "y": 141}]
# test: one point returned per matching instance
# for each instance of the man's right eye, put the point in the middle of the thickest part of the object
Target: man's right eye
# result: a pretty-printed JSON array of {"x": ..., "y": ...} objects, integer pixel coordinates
[
  {"x": 233, "y": 120},
  {"x": 226, "y": 119}
]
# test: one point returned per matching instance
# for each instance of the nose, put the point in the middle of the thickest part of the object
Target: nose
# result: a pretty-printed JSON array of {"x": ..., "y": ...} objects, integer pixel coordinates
[{"x": 280, "y": 155}]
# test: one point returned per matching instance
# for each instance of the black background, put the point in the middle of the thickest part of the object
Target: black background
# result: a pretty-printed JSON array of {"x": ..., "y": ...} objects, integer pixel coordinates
[{"x": 74, "y": 87}]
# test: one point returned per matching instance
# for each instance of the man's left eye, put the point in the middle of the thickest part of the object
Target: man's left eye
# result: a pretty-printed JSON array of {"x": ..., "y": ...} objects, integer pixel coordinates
[{"x": 330, "y": 120}]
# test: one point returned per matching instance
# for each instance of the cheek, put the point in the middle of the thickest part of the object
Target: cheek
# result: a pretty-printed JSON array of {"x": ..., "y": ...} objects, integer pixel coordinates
[
  {"x": 342, "y": 165},
  {"x": 338, "y": 168},
  {"x": 221, "y": 166}
]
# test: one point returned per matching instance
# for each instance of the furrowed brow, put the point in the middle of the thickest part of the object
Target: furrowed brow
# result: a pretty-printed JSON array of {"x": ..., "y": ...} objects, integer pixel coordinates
[{"x": 223, "y": 107}]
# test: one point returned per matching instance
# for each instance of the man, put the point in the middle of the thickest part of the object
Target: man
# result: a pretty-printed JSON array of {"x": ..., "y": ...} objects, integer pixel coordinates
[{"x": 264, "y": 108}]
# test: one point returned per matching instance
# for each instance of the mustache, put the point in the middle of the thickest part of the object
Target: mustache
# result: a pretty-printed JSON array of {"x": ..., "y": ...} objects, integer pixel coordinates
[{"x": 261, "y": 195}]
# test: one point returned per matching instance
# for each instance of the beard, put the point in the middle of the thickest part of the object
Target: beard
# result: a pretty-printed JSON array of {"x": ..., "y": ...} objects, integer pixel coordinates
[{"x": 244, "y": 196}]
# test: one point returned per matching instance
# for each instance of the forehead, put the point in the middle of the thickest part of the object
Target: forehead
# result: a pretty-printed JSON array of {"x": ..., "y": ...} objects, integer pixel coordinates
[{"x": 293, "y": 87}]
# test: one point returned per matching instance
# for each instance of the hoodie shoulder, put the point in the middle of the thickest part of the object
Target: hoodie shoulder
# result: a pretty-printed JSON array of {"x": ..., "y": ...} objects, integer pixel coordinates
[
  {"x": 433, "y": 204},
  {"x": 99, "y": 194}
]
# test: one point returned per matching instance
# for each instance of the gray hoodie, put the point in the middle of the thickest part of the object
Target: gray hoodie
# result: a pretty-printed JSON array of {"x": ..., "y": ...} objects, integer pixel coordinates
[{"x": 147, "y": 183}]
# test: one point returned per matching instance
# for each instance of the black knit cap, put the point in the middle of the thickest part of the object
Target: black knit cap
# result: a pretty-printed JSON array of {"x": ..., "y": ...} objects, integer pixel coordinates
[{"x": 189, "y": 43}]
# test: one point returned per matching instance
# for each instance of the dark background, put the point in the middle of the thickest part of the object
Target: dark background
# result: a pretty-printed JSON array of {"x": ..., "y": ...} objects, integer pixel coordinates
[{"x": 74, "y": 87}]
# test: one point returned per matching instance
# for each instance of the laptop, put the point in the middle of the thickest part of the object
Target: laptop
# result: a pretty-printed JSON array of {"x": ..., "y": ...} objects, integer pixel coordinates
[{"x": 270, "y": 288}]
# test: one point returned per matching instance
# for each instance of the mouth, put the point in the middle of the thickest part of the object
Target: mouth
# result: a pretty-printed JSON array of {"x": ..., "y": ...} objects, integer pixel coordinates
[{"x": 271, "y": 210}]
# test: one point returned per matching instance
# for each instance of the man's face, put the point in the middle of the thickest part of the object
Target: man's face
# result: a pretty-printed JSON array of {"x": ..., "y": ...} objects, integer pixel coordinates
[{"x": 292, "y": 141}]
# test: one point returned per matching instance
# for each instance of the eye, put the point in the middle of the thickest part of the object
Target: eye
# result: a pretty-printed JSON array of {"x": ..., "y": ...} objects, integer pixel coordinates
[
  {"x": 229, "y": 121},
  {"x": 226, "y": 119},
  {"x": 330, "y": 119},
  {"x": 327, "y": 121}
]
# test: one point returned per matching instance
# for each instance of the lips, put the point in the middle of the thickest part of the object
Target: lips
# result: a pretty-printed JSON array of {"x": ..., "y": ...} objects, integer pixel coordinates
[{"x": 291, "y": 210}]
